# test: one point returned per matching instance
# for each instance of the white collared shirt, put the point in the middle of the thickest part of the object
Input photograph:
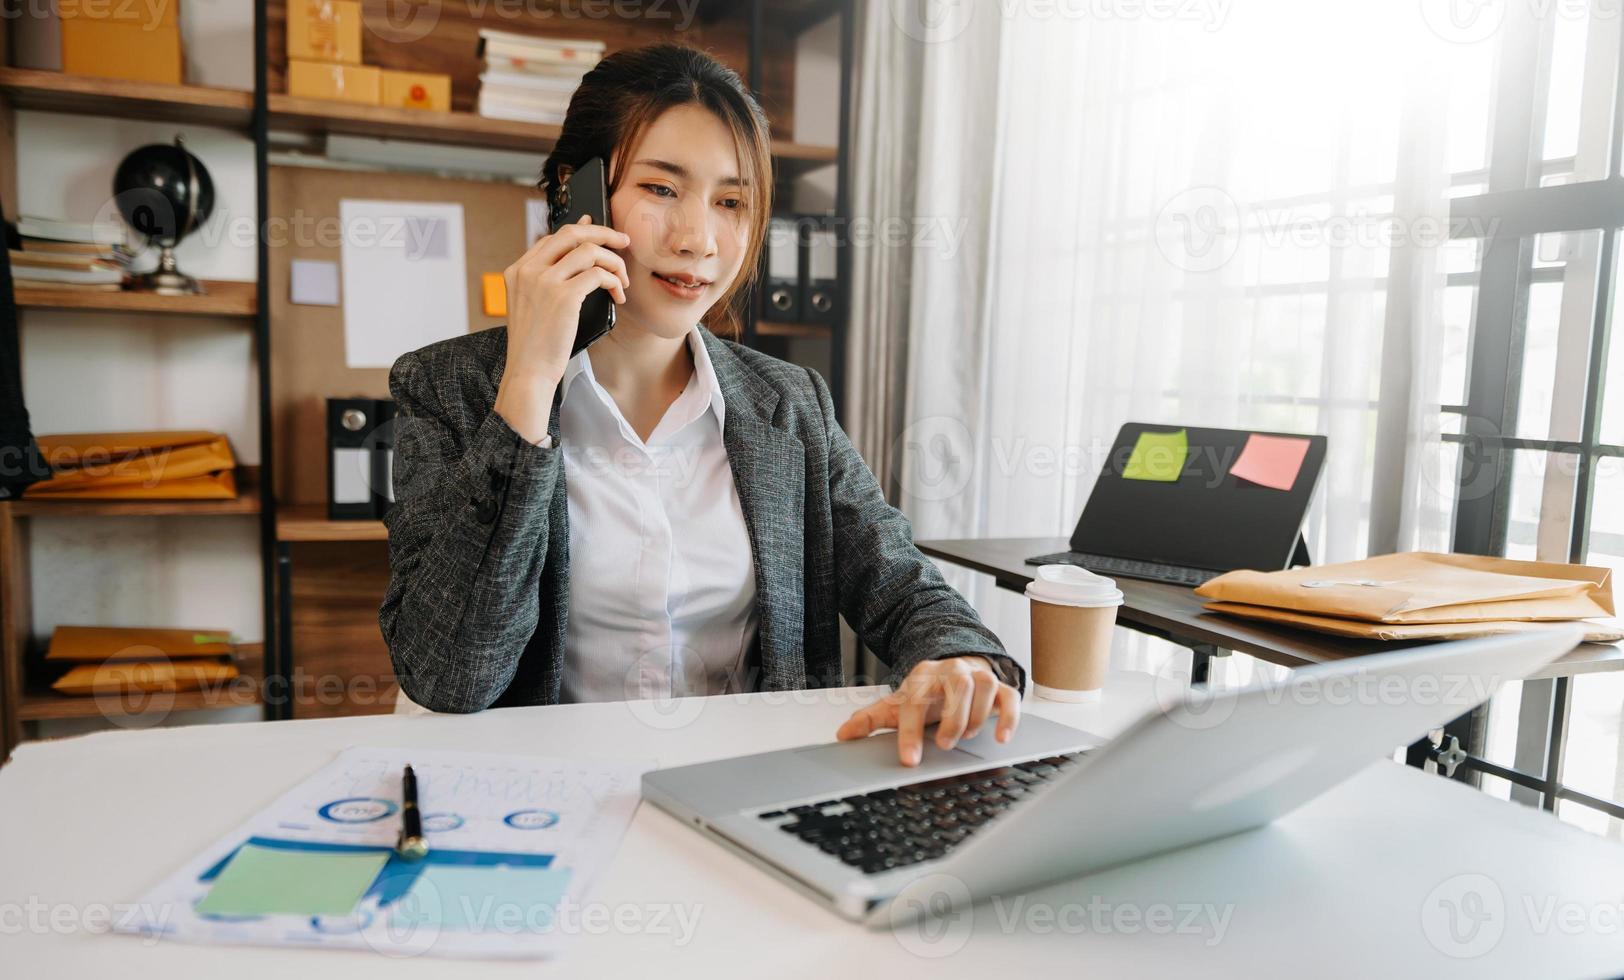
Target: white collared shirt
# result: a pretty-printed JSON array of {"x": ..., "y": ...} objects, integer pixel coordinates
[{"x": 662, "y": 599}]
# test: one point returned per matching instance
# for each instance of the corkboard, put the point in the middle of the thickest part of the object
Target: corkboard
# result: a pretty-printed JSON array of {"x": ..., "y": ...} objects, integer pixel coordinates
[{"x": 307, "y": 342}]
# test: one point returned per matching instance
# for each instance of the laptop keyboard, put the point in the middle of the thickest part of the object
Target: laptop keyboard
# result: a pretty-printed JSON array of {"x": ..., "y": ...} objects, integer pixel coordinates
[
  {"x": 893, "y": 828},
  {"x": 1128, "y": 567}
]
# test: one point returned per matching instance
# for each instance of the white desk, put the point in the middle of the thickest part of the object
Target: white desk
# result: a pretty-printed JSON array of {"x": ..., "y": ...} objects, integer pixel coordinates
[{"x": 1338, "y": 888}]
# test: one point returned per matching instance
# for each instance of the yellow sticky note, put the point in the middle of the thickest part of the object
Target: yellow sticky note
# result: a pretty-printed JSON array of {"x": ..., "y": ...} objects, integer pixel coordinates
[
  {"x": 1157, "y": 456},
  {"x": 495, "y": 293}
]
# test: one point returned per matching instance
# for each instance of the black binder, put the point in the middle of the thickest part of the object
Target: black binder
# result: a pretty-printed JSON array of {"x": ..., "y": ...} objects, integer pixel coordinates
[
  {"x": 783, "y": 300},
  {"x": 350, "y": 423},
  {"x": 821, "y": 302},
  {"x": 383, "y": 458}
]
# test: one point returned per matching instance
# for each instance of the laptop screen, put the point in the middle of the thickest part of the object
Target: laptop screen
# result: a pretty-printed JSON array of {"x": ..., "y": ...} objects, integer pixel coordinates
[{"x": 1217, "y": 499}]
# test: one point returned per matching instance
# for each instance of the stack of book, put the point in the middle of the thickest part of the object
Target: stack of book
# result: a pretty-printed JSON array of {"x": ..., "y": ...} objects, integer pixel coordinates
[
  {"x": 529, "y": 78},
  {"x": 74, "y": 255}
]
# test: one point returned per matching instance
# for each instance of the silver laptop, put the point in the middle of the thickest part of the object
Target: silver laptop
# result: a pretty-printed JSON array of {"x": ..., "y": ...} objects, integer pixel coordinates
[{"x": 850, "y": 827}]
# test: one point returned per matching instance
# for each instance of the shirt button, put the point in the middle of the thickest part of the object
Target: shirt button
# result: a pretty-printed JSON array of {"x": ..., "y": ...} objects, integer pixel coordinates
[{"x": 484, "y": 510}]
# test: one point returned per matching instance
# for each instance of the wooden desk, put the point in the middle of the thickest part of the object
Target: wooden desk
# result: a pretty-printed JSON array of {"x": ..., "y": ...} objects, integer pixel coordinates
[{"x": 1176, "y": 614}]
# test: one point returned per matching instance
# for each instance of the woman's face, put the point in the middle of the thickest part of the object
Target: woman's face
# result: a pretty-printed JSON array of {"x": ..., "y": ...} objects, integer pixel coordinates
[{"x": 681, "y": 203}]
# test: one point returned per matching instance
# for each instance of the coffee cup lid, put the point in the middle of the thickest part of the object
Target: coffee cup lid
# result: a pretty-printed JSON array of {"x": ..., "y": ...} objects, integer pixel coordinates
[{"x": 1069, "y": 585}]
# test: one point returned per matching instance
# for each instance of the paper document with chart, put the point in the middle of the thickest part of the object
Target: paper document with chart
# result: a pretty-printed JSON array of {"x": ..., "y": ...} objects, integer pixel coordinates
[{"x": 514, "y": 843}]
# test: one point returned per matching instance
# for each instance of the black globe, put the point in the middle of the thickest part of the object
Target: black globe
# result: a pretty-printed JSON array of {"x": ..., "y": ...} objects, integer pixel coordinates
[{"x": 154, "y": 188}]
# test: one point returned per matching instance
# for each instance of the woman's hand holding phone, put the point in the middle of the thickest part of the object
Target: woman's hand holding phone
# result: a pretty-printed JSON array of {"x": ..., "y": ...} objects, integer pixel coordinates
[{"x": 545, "y": 289}]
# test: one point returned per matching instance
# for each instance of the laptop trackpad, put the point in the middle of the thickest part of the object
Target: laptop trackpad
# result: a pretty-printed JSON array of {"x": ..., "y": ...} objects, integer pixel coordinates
[{"x": 876, "y": 757}]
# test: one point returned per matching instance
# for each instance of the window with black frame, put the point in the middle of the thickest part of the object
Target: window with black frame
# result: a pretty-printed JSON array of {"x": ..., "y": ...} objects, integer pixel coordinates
[{"x": 1537, "y": 428}]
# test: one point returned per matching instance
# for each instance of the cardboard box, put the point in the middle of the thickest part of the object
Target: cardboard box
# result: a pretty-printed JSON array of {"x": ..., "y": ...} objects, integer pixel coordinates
[
  {"x": 148, "y": 14},
  {"x": 118, "y": 49},
  {"x": 325, "y": 30},
  {"x": 416, "y": 90},
  {"x": 343, "y": 83}
]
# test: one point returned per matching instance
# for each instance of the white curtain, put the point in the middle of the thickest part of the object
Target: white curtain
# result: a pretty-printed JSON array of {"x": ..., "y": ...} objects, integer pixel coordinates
[{"x": 1212, "y": 217}]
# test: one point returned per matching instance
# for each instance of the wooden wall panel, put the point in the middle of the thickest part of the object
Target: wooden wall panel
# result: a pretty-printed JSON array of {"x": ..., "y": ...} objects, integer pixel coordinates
[
  {"x": 340, "y": 662},
  {"x": 16, "y": 618},
  {"x": 8, "y": 140}
]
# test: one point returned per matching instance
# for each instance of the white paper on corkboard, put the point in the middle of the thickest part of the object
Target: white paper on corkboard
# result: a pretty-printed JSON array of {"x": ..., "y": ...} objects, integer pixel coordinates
[{"x": 405, "y": 278}]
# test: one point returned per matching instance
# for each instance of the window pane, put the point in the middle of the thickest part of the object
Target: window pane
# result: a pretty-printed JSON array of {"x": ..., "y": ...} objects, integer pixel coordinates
[
  {"x": 1500, "y": 733},
  {"x": 1471, "y": 88},
  {"x": 1560, "y": 311},
  {"x": 1580, "y": 60},
  {"x": 1461, "y": 259},
  {"x": 1592, "y": 820},
  {"x": 1541, "y": 505},
  {"x": 1612, "y": 406},
  {"x": 1592, "y": 762},
  {"x": 1289, "y": 341},
  {"x": 1606, "y": 543},
  {"x": 1440, "y": 475}
]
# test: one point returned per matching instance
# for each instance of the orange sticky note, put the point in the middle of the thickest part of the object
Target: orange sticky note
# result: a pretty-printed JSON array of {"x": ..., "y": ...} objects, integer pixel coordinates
[
  {"x": 495, "y": 288},
  {"x": 1271, "y": 461}
]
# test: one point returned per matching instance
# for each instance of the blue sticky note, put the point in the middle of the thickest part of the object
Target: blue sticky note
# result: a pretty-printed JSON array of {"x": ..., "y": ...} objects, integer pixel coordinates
[{"x": 482, "y": 898}]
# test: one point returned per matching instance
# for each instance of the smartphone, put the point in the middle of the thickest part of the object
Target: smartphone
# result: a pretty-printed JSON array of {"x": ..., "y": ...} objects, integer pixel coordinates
[{"x": 586, "y": 192}]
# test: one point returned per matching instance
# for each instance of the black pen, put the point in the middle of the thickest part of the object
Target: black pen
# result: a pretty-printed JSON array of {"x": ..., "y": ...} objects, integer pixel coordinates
[{"x": 412, "y": 846}]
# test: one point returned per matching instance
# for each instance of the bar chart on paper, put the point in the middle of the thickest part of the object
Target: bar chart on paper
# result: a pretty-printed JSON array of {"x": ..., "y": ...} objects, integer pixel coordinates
[{"x": 511, "y": 838}]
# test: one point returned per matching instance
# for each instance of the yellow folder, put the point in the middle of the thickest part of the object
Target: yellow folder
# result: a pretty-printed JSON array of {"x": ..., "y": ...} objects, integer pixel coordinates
[
  {"x": 96, "y": 644},
  {"x": 132, "y": 676},
  {"x": 137, "y": 465}
]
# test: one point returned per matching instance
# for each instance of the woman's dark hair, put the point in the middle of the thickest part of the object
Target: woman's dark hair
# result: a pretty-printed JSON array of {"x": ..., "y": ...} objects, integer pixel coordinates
[{"x": 615, "y": 104}]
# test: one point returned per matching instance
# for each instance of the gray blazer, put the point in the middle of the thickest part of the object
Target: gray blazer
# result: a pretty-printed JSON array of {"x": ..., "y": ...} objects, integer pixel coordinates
[{"x": 479, "y": 538}]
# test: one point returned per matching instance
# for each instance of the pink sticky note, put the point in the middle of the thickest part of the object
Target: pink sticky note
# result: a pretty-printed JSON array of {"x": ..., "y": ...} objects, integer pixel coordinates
[{"x": 1271, "y": 461}]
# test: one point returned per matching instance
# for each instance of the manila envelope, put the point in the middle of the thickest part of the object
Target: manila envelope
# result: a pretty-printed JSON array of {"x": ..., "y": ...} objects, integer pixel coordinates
[
  {"x": 96, "y": 644},
  {"x": 1424, "y": 587},
  {"x": 140, "y": 465},
  {"x": 1609, "y": 631},
  {"x": 130, "y": 676}
]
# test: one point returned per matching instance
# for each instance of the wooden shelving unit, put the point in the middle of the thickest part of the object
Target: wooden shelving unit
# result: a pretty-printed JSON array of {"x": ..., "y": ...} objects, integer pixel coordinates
[
  {"x": 343, "y": 583},
  {"x": 247, "y": 502},
  {"x": 771, "y": 328},
  {"x": 53, "y": 91},
  {"x": 308, "y": 522},
  {"x": 460, "y": 128},
  {"x": 221, "y": 298},
  {"x": 804, "y": 153},
  {"x": 245, "y": 690},
  {"x": 454, "y": 128}
]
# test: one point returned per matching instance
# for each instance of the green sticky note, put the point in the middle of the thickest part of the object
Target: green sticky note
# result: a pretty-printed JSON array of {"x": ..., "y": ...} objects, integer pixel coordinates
[
  {"x": 490, "y": 898},
  {"x": 210, "y": 638},
  {"x": 278, "y": 881},
  {"x": 1157, "y": 456}
]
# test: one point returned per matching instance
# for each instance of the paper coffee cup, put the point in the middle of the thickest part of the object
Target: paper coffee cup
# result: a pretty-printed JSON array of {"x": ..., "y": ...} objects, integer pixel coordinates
[{"x": 1073, "y": 611}]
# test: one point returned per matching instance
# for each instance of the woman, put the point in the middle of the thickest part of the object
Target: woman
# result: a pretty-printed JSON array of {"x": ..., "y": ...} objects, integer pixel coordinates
[{"x": 667, "y": 512}]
